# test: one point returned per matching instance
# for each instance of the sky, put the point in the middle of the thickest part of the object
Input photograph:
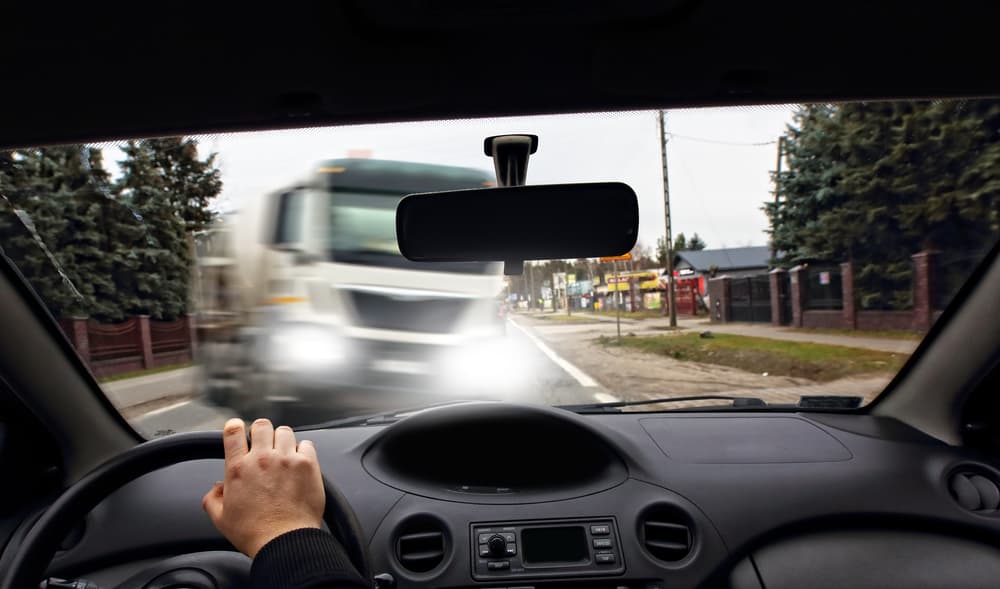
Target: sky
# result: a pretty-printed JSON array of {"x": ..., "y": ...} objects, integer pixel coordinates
[{"x": 718, "y": 160}]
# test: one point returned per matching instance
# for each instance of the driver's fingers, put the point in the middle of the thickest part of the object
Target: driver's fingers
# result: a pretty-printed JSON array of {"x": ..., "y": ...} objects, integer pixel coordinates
[
  {"x": 284, "y": 440},
  {"x": 307, "y": 448},
  {"x": 212, "y": 502},
  {"x": 234, "y": 438},
  {"x": 261, "y": 435}
]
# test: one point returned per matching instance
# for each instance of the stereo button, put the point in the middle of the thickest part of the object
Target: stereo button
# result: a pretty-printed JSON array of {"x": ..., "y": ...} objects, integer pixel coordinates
[
  {"x": 602, "y": 542},
  {"x": 498, "y": 565},
  {"x": 600, "y": 530},
  {"x": 604, "y": 557}
]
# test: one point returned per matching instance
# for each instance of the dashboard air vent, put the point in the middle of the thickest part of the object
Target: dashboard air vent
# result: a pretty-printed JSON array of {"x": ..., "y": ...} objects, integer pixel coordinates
[
  {"x": 420, "y": 544},
  {"x": 665, "y": 532},
  {"x": 979, "y": 492}
]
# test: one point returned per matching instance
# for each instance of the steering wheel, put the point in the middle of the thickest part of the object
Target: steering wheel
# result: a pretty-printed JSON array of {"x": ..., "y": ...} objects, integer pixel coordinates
[{"x": 220, "y": 570}]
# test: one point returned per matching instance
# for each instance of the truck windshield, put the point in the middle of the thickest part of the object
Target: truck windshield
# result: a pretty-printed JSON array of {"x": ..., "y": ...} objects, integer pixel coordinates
[{"x": 363, "y": 231}]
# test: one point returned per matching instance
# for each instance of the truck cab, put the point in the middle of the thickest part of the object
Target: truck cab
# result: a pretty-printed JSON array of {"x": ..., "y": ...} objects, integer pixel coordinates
[{"x": 330, "y": 314}]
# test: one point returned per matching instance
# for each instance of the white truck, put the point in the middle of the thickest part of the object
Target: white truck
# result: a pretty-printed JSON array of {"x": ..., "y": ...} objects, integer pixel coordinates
[{"x": 307, "y": 304}]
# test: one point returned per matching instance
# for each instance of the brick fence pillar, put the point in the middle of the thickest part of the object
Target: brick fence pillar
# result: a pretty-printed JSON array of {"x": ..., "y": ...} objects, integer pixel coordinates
[
  {"x": 797, "y": 284},
  {"x": 80, "y": 339},
  {"x": 849, "y": 308},
  {"x": 775, "y": 277},
  {"x": 192, "y": 328},
  {"x": 145, "y": 341},
  {"x": 923, "y": 290}
]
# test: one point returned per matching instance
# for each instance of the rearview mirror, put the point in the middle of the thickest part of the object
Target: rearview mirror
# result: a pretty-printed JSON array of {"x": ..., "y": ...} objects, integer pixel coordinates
[{"x": 517, "y": 223}]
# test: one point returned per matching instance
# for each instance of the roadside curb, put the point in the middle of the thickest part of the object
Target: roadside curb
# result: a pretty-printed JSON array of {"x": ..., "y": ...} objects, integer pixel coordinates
[{"x": 144, "y": 389}]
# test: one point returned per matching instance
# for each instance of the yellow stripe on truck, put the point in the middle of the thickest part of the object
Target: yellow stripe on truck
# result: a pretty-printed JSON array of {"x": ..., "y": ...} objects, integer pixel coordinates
[{"x": 285, "y": 300}]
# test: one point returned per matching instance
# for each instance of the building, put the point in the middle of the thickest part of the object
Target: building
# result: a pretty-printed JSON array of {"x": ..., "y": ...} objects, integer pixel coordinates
[{"x": 736, "y": 262}]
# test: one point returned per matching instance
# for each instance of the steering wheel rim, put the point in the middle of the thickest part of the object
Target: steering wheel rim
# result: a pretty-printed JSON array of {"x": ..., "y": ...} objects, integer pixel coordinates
[{"x": 41, "y": 542}]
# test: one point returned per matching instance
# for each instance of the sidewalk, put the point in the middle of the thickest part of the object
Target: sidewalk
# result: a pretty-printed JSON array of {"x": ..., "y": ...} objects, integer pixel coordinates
[
  {"x": 142, "y": 389},
  {"x": 655, "y": 326},
  {"x": 881, "y": 344}
]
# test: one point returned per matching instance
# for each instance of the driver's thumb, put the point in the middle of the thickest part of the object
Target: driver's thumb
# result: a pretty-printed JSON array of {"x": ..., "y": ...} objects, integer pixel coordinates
[{"x": 212, "y": 502}]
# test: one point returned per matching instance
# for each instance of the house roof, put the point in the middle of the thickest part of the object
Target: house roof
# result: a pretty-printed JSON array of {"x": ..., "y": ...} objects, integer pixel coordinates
[{"x": 733, "y": 258}]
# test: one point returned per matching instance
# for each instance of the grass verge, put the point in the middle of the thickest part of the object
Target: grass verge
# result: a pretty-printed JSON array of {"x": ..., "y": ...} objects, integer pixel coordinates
[
  {"x": 647, "y": 314},
  {"x": 818, "y": 362},
  {"x": 563, "y": 318}
]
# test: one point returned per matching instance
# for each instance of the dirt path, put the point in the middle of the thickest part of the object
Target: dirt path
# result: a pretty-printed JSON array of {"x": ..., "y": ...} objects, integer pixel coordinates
[{"x": 633, "y": 375}]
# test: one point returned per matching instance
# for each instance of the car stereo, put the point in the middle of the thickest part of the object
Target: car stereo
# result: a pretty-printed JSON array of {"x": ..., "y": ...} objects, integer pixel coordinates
[{"x": 546, "y": 548}]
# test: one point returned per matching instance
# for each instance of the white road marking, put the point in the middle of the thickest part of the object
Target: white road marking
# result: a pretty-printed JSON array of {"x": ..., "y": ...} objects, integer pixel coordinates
[
  {"x": 573, "y": 371},
  {"x": 163, "y": 409},
  {"x": 605, "y": 398}
]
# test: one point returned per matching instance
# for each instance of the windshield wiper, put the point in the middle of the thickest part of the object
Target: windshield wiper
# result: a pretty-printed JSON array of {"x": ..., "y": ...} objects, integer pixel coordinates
[{"x": 614, "y": 406}]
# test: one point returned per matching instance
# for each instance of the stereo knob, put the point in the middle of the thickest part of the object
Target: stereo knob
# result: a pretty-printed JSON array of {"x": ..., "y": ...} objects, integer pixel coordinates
[{"x": 498, "y": 546}]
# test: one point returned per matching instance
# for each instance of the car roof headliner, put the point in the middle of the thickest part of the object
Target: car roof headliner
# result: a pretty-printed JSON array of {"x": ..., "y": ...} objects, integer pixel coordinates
[{"x": 79, "y": 74}]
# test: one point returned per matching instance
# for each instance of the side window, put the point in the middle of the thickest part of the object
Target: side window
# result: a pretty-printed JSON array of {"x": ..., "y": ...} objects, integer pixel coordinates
[{"x": 291, "y": 209}]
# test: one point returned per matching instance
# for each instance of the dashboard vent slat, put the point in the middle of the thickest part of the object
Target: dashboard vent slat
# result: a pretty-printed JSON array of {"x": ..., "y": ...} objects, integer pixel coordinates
[
  {"x": 420, "y": 556},
  {"x": 666, "y": 533},
  {"x": 975, "y": 491},
  {"x": 420, "y": 545},
  {"x": 660, "y": 545}
]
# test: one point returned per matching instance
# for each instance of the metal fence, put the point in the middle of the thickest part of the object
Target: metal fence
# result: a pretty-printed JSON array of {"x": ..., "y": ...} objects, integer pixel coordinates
[
  {"x": 951, "y": 270},
  {"x": 750, "y": 298},
  {"x": 824, "y": 288}
]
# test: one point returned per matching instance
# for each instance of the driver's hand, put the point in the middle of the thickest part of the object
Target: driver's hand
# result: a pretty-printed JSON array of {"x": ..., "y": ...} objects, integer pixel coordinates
[{"x": 272, "y": 488}]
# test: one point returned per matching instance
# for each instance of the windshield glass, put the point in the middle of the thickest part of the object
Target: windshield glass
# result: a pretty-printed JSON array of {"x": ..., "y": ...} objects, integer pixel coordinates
[
  {"x": 363, "y": 223},
  {"x": 363, "y": 231},
  {"x": 787, "y": 256}
]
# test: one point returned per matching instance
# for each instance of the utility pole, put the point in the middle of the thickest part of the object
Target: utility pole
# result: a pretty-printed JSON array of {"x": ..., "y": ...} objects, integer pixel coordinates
[
  {"x": 531, "y": 286},
  {"x": 669, "y": 238},
  {"x": 777, "y": 187},
  {"x": 566, "y": 295},
  {"x": 618, "y": 302}
]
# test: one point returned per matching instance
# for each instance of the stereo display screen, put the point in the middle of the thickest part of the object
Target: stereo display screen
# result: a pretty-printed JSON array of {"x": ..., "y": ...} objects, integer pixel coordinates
[{"x": 554, "y": 545}]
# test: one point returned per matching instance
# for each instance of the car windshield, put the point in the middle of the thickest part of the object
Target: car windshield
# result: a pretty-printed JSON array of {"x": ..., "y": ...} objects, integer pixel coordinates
[
  {"x": 788, "y": 256},
  {"x": 362, "y": 230}
]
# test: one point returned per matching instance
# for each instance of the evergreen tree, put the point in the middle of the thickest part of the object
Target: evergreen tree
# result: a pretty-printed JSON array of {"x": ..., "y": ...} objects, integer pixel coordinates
[
  {"x": 695, "y": 243},
  {"x": 108, "y": 252},
  {"x": 661, "y": 251},
  {"x": 160, "y": 257},
  {"x": 878, "y": 182},
  {"x": 35, "y": 222},
  {"x": 190, "y": 183},
  {"x": 680, "y": 243}
]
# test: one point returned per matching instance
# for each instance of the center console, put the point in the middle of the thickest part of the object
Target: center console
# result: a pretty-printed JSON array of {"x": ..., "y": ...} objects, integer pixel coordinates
[{"x": 546, "y": 549}]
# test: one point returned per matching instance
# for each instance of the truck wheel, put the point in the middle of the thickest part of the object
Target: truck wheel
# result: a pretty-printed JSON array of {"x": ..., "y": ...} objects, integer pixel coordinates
[{"x": 220, "y": 396}]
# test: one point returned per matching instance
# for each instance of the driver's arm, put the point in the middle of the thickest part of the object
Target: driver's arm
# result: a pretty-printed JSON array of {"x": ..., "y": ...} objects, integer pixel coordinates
[{"x": 270, "y": 507}]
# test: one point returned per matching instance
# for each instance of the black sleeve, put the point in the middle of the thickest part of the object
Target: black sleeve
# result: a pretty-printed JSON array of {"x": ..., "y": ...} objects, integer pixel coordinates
[{"x": 304, "y": 559}]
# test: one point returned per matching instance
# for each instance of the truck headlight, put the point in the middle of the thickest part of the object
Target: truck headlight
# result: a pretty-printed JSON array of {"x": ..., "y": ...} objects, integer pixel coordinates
[
  {"x": 307, "y": 346},
  {"x": 490, "y": 368}
]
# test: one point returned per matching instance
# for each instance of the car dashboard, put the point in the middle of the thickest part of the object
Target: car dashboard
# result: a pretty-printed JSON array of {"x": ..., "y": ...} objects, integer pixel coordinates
[{"x": 497, "y": 495}]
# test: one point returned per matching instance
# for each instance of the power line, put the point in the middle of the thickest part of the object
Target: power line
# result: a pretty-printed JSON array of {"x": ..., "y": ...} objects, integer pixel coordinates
[{"x": 720, "y": 142}]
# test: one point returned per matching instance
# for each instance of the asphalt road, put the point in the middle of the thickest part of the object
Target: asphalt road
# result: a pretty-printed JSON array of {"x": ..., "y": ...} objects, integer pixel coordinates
[{"x": 541, "y": 376}]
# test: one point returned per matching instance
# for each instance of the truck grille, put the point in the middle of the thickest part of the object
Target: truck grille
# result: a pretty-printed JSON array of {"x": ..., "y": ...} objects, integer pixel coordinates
[{"x": 404, "y": 313}]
